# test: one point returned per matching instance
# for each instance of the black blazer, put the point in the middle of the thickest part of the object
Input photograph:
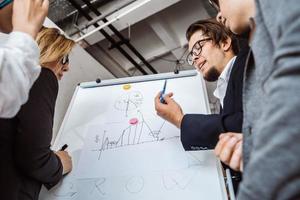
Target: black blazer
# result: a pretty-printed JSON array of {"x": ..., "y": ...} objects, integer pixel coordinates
[
  {"x": 27, "y": 161},
  {"x": 200, "y": 131}
]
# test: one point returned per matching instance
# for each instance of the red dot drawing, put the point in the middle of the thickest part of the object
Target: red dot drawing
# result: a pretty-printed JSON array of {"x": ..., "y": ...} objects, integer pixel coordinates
[{"x": 133, "y": 121}]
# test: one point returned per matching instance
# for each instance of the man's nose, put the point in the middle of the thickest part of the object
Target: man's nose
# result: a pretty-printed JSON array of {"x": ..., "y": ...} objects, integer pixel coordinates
[{"x": 197, "y": 59}]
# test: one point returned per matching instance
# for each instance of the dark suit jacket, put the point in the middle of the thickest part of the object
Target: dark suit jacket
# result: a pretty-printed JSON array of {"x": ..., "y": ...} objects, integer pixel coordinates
[
  {"x": 27, "y": 161},
  {"x": 200, "y": 131}
]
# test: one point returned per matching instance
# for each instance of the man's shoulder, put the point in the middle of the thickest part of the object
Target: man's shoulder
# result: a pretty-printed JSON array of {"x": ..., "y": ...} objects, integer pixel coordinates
[{"x": 240, "y": 62}]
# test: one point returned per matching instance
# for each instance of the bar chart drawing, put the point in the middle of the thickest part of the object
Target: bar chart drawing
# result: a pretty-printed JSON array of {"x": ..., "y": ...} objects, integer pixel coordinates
[
  {"x": 132, "y": 143},
  {"x": 135, "y": 134}
]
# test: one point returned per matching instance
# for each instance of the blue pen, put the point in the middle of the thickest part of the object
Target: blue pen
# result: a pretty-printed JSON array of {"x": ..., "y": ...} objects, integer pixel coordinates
[{"x": 161, "y": 98}]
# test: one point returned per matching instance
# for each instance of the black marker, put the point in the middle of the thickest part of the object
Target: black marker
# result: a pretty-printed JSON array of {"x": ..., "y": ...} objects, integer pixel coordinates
[{"x": 63, "y": 147}]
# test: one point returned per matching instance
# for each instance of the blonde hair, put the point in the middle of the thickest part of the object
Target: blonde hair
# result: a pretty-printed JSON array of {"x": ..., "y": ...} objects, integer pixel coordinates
[{"x": 53, "y": 45}]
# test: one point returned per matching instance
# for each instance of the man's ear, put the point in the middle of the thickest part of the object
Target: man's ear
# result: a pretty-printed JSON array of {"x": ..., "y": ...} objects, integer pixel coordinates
[{"x": 226, "y": 44}]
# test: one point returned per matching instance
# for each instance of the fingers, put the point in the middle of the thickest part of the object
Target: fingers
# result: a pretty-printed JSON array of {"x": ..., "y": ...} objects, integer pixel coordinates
[
  {"x": 231, "y": 134},
  {"x": 157, "y": 104},
  {"x": 158, "y": 95},
  {"x": 45, "y": 6},
  {"x": 157, "y": 100},
  {"x": 236, "y": 159},
  {"x": 170, "y": 110},
  {"x": 38, "y": 2},
  {"x": 168, "y": 98},
  {"x": 66, "y": 161},
  {"x": 220, "y": 144},
  {"x": 229, "y": 149},
  {"x": 29, "y": 15},
  {"x": 64, "y": 154},
  {"x": 242, "y": 165}
]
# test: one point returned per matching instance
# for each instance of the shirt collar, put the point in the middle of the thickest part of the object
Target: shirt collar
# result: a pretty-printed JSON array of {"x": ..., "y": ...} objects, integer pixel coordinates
[{"x": 225, "y": 75}]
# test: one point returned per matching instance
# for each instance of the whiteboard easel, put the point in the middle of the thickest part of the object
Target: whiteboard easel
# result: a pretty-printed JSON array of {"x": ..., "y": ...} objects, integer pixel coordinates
[{"x": 87, "y": 105}]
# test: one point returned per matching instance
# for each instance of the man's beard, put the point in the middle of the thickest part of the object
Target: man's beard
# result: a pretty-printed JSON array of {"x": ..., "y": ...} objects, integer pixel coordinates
[{"x": 212, "y": 75}]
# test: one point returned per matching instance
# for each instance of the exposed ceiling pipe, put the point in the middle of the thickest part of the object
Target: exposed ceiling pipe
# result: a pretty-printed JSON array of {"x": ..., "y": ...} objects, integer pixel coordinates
[
  {"x": 85, "y": 6},
  {"x": 121, "y": 37},
  {"x": 102, "y": 17},
  {"x": 108, "y": 37},
  {"x": 99, "y": 18}
]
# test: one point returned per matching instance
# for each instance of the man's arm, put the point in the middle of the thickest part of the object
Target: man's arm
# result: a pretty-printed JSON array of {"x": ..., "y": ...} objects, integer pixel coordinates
[
  {"x": 19, "y": 55},
  {"x": 198, "y": 131},
  {"x": 19, "y": 69},
  {"x": 273, "y": 170}
]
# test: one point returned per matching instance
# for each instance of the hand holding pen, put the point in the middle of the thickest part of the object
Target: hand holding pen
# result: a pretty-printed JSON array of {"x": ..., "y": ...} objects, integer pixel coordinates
[
  {"x": 167, "y": 108},
  {"x": 65, "y": 159}
]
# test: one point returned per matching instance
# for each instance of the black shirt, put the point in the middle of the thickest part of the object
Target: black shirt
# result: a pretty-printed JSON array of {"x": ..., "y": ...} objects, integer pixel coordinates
[{"x": 25, "y": 143}]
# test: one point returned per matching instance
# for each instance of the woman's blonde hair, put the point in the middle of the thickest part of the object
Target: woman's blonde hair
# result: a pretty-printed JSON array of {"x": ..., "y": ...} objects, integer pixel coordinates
[{"x": 53, "y": 45}]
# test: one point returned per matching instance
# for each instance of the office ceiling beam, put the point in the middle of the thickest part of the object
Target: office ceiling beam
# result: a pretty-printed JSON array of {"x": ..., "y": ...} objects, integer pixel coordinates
[
  {"x": 121, "y": 37},
  {"x": 108, "y": 37}
]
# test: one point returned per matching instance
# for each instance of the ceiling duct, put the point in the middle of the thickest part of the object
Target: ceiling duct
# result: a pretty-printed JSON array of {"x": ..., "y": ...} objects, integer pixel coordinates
[
  {"x": 101, "y": 17},
  {"x": 62, "y": 11}
]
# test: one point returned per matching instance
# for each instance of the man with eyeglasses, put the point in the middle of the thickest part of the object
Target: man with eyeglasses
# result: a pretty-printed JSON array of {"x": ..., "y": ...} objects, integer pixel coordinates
[
  {"x": 19, "y": 53},
  {"x": 271, "y": 128},
  {"x": 213, "y": 50}
]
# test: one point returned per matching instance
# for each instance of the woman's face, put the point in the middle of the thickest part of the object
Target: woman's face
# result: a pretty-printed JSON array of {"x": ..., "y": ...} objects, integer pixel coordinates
[
  {"x": 61, "y": 70},
  {"x": 59, "y": 67},
  {"x": 63, "y": 66}
]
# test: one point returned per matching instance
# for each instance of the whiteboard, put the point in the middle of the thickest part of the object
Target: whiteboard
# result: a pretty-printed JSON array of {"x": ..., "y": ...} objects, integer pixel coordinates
[{"x": 158, "y": 167}]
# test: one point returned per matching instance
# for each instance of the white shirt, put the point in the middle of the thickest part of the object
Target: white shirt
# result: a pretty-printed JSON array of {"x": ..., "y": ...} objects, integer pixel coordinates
[
  {"x": 19, "y": 68},
  {"x": 222, "y": 82}
]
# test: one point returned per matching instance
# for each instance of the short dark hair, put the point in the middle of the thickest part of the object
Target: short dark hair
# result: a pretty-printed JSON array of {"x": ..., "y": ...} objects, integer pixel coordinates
[{"x": 215, "y": 30}]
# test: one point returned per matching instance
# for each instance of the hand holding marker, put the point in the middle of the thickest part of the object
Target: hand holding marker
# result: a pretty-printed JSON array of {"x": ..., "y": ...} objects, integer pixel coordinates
[{"x": 63, "y": 147}]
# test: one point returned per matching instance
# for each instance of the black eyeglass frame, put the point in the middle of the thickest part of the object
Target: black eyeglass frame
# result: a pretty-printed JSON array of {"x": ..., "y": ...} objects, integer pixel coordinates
[
  {"x": 65, "y": 60},
  {"x": 196, "y": 51}
]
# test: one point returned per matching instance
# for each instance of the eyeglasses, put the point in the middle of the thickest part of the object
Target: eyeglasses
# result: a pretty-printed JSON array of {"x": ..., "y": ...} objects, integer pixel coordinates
[
  {"x": 196, "y": 50},
  {"x": 214, "y": 4},
  {"x": 4, "y": 3},
  {"x": 65, "y": 60}
]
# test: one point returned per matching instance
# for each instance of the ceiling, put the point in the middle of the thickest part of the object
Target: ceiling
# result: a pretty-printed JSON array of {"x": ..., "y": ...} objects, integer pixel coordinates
[{"x": 149, "y": 39}]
